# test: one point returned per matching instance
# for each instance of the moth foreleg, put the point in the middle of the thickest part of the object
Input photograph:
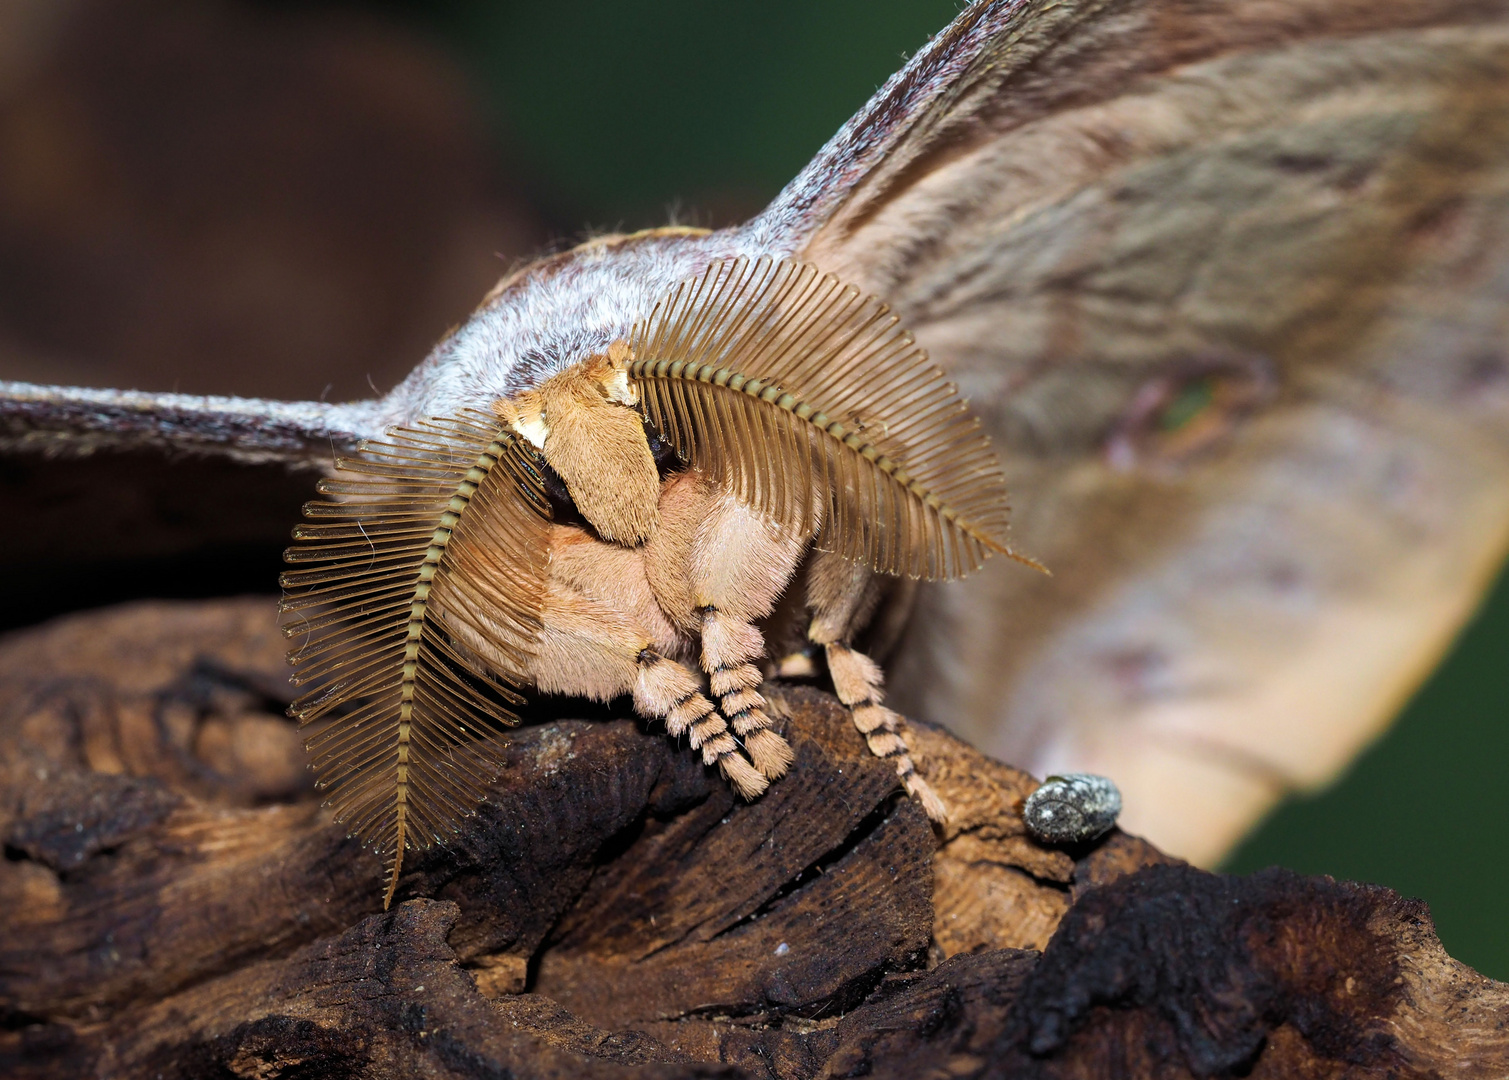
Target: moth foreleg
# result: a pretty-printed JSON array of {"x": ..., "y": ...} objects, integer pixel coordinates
[
  {"x": 666, "y": 690},
  {"x": 841, "y": 596},
  {"x": 729, "y": 648},
  {"x": 739, "y": 565},
  {"x": 588, "y": 648},
  {"x": 603, "y": 635}
]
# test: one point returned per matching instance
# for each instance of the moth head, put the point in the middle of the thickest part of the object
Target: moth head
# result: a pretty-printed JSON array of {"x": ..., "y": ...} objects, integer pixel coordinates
[{"x": 584, "y": 422}]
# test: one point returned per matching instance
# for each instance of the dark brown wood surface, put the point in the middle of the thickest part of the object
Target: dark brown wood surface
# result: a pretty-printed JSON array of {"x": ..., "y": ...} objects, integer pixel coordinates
[{"x": 176, "y": 904}]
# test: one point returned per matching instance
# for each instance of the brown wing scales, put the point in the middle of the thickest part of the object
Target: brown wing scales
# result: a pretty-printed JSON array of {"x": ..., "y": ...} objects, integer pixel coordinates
[
  {"x": 814, "y": 405},
  {"x": 435, "y": 530}
]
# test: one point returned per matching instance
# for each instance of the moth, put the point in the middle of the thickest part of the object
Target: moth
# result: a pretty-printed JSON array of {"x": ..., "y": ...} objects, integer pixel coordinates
[
  {"x": 622, "y": 517},
  {"x": 1224, "y": 286}
]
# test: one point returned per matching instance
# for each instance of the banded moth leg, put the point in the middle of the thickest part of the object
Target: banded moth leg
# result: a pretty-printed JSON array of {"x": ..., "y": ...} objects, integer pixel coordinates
[
  {"x": 730, "y": 647},
  {"x": 841, "y": 596},
  {"x": 666, "y": 690}
]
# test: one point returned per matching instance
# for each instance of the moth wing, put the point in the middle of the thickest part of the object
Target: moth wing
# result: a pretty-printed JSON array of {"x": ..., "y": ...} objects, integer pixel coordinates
[
  {"x": 70, "y": 421},
  {"x": 153, "y": 475},
  {"x": 1227, "y": 286}
]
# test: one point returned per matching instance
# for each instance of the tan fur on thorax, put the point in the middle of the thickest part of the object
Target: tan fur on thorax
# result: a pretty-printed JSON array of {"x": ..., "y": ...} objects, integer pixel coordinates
[
  {"x": 614, "y": 577},
  {"x": 711, "y": 551},
  {"x": 599, "y": 615},
  {"x": 582, "y": 420},
  {"x": 740, "y": 560}
]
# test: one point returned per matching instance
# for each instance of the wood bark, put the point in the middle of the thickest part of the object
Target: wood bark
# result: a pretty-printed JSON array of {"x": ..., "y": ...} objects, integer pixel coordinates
[{"x": 177, "y": 904}]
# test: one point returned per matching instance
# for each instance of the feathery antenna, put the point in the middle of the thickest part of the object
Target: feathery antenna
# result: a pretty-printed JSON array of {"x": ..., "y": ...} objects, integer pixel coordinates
[
  {"x": 810, "y": 401},
  {"x": 416, "y": 618}
]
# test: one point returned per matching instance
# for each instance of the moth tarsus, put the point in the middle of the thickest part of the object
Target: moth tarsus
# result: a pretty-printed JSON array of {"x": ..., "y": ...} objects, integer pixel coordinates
[{"x": 439, "y": 565}]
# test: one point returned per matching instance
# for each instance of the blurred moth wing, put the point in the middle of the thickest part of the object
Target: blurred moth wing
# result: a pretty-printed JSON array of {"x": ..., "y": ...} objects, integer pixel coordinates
[{"x": 1229, "y": 287}]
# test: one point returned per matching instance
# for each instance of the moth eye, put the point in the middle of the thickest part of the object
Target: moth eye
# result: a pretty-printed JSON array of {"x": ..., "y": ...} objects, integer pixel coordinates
[
  {"x": 1074, "y": 808},
  {"x": 1178, "y": 416},
  {"x": 667, "y": 460}
]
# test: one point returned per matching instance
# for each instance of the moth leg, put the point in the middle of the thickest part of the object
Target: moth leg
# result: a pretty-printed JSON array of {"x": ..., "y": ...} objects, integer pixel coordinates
[
  {"x": 729, "y": 648},
  {"x": 589, "y": 647},
  {"x": 739, "y": 565},
  {"x": 666, "y": 689},
  {"x": 602, "y": 635},
  {"x": 842, "y": 596}
]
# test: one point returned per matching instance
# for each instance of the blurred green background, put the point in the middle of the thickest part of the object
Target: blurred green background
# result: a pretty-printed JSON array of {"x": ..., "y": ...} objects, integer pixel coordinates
[{"x": 631, "y": 112}]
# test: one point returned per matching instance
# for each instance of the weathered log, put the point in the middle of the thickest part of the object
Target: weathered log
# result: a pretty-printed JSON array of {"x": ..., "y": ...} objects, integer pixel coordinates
[{"x": 178, "y": 905}]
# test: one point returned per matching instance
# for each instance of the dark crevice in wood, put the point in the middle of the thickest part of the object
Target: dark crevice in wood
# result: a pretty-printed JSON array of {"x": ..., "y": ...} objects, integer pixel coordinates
[{"x": 862, "y": 832}]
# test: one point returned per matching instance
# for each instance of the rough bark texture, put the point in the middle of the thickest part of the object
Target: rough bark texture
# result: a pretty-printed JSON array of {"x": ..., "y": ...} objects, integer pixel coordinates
[{"x": 177, "y": 905}]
